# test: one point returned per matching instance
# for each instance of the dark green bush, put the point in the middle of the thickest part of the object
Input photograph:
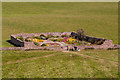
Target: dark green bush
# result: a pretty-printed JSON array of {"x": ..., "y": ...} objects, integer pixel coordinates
[
  {"x": 73, "y": 37},
  {"x": 28, "y": 39},
  {"x": 43, "y": 45},
  {"x": 59, "y": 40},
  {"x": 53, "y": 40},
  {"x": 20, "y": 38},
  {"x": 37, "y": 44},
  {"x": 42, "y": 35},
  {"x": 85, "y": 43},
  {"x": 47, "y": 38},
  {"x": 56, "y": 36},
  {"x": 37, "y": 37},
  {"x": 64, "y": 36}
]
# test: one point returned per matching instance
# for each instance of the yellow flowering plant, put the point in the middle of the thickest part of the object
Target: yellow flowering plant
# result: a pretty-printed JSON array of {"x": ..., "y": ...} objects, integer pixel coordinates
[
  {"x": 41, "y": 40},
  {"x": 71, "y": 40},
  {"x": 35, "y": 40},
  {"x": 47, "y": 45}
]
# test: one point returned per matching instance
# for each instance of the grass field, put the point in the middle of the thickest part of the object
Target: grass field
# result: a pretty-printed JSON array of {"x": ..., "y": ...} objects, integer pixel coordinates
[
  {"x": 97, "y": 19},
  {"x": 33, "y": 64}
]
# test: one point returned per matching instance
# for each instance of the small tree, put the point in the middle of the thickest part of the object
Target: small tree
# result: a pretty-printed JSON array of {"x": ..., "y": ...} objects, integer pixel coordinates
[{"x": 81, "y": 34}]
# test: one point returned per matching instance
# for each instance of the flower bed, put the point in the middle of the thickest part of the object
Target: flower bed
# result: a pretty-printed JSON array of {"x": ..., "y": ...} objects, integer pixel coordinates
[{"x": 67, "y": 39}]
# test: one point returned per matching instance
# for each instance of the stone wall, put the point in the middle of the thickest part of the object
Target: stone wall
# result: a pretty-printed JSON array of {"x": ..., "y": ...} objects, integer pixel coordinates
[
  {"x": 94, "y": 39},
  {"x": 12, "y": 48},
  {"x": 25, "y": 35},
  {"x": 29, "y": 45},
  {"x": 90, "y": 39},
  {"x": 17, "y": 41}
]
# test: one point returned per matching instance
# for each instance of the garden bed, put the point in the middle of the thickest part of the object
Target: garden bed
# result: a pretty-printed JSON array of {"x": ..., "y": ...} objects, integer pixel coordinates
[{"x": 63, "y": 40}]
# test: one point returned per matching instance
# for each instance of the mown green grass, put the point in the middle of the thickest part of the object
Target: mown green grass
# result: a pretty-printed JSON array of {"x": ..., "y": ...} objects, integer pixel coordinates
[
  {"x": 11, "y": 56},
  {"x": 105, "y": 54},
  {"x": 97, "y": 19},
  {"x": 65, "y": 65}
]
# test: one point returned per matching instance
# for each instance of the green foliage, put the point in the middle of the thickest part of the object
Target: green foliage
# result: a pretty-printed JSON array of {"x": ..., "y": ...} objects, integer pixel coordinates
[
  {"x": 64, "y": 36},
  {"x": 85, "y": 43},
  {"x": 73, "y": 37},
  {"x": 53, "y": 40},
  {"x": 42, "y": 35},
  {"x": 36, "y": 37},
  {"x": 78, "y": 44},
  {"x": 36, "y": 43},
  {"x": 59, "y": 40},
  {"x": 56, "y": 36},
  {"x": 43, "y": 45},
  {"x": 28, "y": 39},
  {"x": 20, "y": 38}
]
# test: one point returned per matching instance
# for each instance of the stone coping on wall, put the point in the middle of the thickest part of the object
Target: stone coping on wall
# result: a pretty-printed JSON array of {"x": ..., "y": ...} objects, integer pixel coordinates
[{"x": 38, "y": 34}]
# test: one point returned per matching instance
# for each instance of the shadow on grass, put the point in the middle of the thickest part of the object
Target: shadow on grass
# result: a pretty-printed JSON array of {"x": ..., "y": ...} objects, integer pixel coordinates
[{"x": 9, "y": 41}]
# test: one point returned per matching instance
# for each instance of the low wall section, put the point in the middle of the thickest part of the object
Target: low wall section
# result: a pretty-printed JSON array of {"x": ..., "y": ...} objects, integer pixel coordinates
[
  {"x": 30, "y": 45},
  {"x": 16, "y": 41},
  {"x": 25, "y": 35}
]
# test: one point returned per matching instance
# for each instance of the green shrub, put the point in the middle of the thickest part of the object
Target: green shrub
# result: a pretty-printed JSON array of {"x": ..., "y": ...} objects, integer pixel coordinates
[
  {"x": 59, "y": 40},
  {"x": 73, "y": 37},
  {"x": 56, "y": 36},
  {"x": 77, "y": 44},
  {"x": 20, "y": 38},
  {"x": 43, "y": 45},
  {"x": 64, "y": 36},
  {"x": 85, "y": 43},
  {"x": 42, "y": 35},
  {"x": 28, "y": 39},
  {"x": 53, "y": 40},
  {"x": 37, "y": 37},
  {"x": 47, "y": 38},
  {"x": 37, "y": 44}
]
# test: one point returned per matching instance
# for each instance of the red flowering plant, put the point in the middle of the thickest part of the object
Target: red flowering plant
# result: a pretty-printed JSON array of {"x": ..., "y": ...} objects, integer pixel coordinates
[{"x": 64, "y": 39}]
